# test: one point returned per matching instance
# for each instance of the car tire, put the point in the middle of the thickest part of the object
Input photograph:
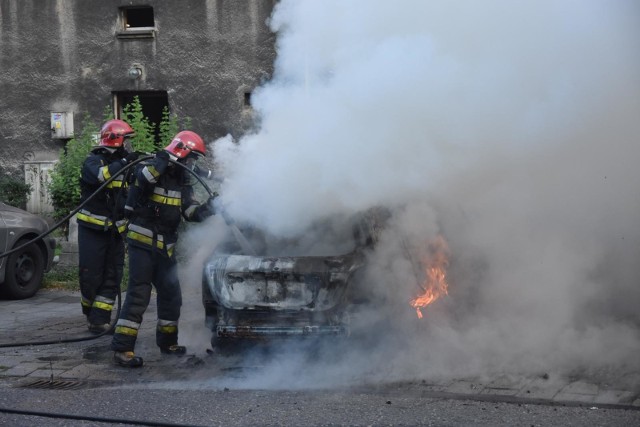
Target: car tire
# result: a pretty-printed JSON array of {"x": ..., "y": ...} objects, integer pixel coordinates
[{"x": 25, "y": 269}]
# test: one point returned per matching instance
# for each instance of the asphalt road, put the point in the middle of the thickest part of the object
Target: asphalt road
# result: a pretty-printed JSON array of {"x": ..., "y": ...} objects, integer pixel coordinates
[
  {"x": 391, "y": 405},
  {"x": 75, "y": 384}
]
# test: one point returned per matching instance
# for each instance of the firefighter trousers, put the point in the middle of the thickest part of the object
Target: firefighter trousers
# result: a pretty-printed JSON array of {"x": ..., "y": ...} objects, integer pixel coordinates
[
  {"x": 146, "y": 270},
  {"x": 101, "y": 262}
]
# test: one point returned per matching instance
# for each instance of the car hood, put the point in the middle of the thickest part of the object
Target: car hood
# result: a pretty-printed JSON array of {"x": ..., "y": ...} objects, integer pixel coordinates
[
  {"x": 9, "y": 208},
  {"x": 306, "y": 283},
  {"x": 19, "y": 218}
]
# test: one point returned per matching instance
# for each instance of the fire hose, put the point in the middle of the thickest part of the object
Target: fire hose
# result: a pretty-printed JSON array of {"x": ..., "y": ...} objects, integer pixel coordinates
[{"x": 126, "y": 169}]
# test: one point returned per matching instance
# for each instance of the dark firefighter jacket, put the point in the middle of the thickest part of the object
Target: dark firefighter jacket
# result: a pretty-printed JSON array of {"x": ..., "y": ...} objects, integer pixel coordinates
[
  {"x": 160, "y": 196},
  {"x": 106, "y": 209}
]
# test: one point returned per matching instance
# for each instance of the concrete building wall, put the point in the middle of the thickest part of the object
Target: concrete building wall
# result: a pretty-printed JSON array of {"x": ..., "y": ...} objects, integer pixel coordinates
[{"x": 66, "y": 56}]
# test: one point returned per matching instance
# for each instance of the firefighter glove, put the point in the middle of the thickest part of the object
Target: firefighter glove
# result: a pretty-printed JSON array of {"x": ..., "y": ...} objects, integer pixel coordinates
[
  {"x": 203, "y": 212},
  {"x": 131, "y": 157},
  {"x": 162, "y": 160}
]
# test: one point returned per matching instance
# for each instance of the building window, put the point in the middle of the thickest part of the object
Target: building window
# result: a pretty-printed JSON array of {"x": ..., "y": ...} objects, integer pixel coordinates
[
  {"x": 138, "y": 18},
  {"x": 137, "y": 22},
  {"x": 153, "y": 104}
]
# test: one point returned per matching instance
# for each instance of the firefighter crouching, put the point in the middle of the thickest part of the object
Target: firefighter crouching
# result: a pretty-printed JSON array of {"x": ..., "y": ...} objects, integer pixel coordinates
[
  {"x": 101, "y": 225},
  {"x": 160, "y": 196}
]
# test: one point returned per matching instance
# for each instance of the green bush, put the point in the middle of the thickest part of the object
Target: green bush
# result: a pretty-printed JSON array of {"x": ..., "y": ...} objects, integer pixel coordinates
[
  {"x": 170, "y": 126},
  {"x": 14, "y": 192},
  {"x": 144, "y": 139}
]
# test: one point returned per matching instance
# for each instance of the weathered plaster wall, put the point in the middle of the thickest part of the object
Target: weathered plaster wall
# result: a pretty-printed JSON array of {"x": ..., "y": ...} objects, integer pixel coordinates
[{"x": 63, "y": 55}]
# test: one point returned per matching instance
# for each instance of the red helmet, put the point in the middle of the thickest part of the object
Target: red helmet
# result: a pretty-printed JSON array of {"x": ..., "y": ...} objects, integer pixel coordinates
[
  {"x": 114, "y": 132},
  {"x": 186, "y": 142}
]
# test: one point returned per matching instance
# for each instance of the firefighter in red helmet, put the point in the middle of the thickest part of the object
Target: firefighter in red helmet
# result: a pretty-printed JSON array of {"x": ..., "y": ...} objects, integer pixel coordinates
[
  {"x": 158, "y": 200},
  {"x": 101, "y": 224}
]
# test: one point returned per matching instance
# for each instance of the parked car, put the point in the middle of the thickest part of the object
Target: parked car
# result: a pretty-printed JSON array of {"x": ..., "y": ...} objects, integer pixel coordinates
[
  {"x": 267, "y": 295},
  {"x": 21, "y": 272}
]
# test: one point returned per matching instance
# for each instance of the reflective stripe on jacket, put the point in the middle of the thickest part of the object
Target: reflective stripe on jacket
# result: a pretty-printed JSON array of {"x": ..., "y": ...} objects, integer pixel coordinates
[
  {"x": 160, "y": 197},
  {"x": 105, "y": 209},
  {"x": 166, "y": 197},
  {"x": 101, "y": 221},
  {"x": 146, "y": 237}
]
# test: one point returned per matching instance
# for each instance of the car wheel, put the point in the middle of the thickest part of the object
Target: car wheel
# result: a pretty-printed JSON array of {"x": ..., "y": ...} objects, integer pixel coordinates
[{"x": 25, "y": 269}]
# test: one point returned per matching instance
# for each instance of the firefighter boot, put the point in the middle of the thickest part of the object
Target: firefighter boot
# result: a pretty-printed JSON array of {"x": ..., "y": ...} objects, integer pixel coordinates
[
  {"x": 99, "y": 329},
  {"x": 176, "y": 350},
  {"x": 127, "y": 359}
]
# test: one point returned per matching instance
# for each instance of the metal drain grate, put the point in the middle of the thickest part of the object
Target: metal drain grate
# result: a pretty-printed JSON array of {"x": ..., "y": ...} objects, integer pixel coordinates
[{"x": 54, "y": 385}]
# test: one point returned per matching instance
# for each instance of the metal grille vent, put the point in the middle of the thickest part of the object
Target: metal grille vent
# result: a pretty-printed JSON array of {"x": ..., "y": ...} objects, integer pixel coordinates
[{"x": 54, "y": 385}]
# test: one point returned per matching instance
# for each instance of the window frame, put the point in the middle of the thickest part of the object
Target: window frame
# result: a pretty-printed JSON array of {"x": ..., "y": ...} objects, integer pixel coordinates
[{"x": 134, "y": 32}]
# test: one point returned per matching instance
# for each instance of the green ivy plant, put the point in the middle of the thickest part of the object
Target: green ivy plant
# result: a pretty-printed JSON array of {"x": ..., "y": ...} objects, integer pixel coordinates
[
  {"x": 170, "y": 126},
  {"x": 144, "y": 139}
]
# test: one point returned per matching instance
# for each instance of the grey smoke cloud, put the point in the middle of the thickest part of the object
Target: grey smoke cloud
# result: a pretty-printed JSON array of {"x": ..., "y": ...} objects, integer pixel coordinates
[{"x": 511, "y": 128}]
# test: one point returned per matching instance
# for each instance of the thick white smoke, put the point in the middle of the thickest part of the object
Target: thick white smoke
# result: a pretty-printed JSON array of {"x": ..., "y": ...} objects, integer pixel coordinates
[{"x": 511, "y": 127}]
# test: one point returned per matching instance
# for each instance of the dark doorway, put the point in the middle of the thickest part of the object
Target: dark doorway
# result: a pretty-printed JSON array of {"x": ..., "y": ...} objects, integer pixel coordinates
[{"x": 153, "y": 102}]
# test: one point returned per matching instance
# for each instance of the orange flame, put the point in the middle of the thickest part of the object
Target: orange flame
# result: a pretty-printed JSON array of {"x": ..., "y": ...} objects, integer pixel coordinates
[{"x": 435, "y": 267}]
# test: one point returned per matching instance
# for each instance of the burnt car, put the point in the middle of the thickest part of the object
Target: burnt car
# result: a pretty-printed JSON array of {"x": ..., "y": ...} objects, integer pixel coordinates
[
  {"x": 21, "y": 272},
  {"x": 253, "y": 292}
]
